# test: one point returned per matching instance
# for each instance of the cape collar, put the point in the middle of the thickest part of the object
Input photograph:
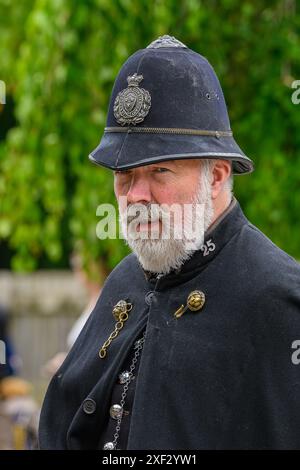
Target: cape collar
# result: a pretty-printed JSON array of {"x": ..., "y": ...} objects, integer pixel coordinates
[{"x": 216, "y": 237}]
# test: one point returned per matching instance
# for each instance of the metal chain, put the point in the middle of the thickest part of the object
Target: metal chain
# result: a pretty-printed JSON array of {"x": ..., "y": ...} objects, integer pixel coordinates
[
  {"x": 123, "y": 317},
  {"x": 138, "y": 350}
]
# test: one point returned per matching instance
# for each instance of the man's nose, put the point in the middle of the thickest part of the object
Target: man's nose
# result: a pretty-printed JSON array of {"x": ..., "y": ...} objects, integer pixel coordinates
[{"x": 139, "y": 191}]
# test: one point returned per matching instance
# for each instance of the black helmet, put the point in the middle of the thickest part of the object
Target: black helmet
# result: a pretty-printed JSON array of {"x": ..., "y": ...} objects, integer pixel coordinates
[{"x": 167, "y": 104}]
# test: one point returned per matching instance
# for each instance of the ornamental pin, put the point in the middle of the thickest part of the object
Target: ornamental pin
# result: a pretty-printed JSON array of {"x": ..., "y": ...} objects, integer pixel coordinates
[
  {"x": 195, "y": 302},
  {"x": 132, "y": 104}
]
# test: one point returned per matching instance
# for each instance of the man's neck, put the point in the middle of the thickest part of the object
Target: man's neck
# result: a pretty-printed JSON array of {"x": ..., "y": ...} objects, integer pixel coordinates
[{"x": 221, "y": 213}]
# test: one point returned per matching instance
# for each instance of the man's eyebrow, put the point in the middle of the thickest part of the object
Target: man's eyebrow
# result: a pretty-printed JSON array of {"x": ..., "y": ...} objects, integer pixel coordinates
[{"x": 167, "y": 162}]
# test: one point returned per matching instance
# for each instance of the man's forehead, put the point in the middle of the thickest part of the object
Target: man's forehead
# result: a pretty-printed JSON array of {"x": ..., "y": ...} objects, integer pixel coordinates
[{"x": 178, "y": 163}]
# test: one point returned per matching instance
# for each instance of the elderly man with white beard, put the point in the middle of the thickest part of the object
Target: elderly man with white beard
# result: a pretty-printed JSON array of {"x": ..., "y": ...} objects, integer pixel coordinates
[
  {"x": 194, "y": 340},
  {"x": 177, "y": 193}
]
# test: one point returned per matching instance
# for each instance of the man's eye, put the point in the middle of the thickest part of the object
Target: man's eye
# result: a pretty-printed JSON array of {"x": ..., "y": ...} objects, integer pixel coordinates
[
  {"x": 120, "y": 173},
  {"x": 161, "y": 170}
]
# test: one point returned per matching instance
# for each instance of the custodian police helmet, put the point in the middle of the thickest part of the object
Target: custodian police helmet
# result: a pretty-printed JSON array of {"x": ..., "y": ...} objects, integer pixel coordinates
[{"x": 167, "y": 104}]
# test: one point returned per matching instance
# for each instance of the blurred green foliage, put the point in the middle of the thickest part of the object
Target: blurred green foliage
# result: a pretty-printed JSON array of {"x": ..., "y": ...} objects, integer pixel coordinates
[{"x": 59, "y": 59}]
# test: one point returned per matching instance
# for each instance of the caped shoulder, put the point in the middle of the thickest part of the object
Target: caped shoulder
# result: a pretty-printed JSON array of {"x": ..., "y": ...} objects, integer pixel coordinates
[
  {"x": 128, "y": 270},
  {"x": 273, "y": 267},
  {"x": 266, "y": 248}
]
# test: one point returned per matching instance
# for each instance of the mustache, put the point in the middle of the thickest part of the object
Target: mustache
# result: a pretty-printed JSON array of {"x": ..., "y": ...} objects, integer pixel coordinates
[{"x": 143, "y": 212}]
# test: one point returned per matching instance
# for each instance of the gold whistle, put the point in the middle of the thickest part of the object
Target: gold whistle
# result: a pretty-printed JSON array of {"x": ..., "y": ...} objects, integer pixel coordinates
[{"x": 195, "y": 302}]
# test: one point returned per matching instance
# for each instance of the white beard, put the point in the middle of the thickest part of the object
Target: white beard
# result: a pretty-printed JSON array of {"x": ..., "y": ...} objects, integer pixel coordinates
[{"x": 161, "y": 255}]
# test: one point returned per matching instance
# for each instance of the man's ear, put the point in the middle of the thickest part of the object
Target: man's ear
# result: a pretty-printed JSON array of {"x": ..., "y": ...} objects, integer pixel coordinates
[{"x": 220, "y": 173}]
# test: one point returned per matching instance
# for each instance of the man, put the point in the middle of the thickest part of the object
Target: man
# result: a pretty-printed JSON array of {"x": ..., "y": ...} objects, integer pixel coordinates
[{"x": 191, "y": 344}]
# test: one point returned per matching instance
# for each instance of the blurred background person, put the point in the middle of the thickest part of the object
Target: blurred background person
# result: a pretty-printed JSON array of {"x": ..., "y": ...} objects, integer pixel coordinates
[
  {"x": 19, "y": 412},
  {"x": 92, "y": 285}
]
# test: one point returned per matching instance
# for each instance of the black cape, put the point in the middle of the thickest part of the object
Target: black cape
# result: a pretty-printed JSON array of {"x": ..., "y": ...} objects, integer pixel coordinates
[{"x": 221, "y": 378}]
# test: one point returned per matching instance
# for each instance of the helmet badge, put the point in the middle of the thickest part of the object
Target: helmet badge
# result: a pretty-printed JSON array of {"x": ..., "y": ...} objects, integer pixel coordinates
[{"x": 132, "y": 104}]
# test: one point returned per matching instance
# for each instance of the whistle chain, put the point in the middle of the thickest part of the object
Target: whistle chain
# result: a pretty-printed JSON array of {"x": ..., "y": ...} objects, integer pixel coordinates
[{"x": 120, "y": 312}]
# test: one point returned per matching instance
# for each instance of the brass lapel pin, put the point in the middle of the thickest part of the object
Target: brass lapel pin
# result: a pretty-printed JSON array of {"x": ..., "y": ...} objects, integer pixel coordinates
[
  {"x": 195, "y": 302},
  {"x": 120, "y": 313}
]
